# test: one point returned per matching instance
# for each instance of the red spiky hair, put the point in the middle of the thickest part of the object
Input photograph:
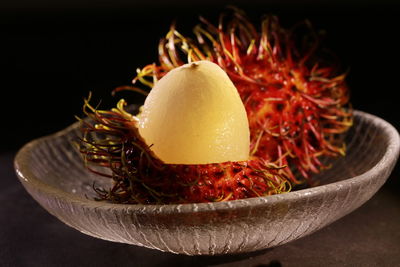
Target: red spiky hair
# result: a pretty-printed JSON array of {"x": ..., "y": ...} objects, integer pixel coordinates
[{"x": 296, "y": 102}]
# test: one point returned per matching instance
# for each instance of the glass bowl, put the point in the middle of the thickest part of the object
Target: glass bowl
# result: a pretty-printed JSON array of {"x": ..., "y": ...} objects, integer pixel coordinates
[{"x": 52, "y": 172}]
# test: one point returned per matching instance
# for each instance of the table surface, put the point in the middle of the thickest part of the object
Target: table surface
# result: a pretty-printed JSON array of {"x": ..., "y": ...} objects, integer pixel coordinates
[{"x": 29, "y": 236}]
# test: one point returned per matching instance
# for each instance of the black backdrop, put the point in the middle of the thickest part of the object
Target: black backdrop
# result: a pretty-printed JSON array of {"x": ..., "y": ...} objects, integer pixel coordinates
[{"x": 54, "y": 53}]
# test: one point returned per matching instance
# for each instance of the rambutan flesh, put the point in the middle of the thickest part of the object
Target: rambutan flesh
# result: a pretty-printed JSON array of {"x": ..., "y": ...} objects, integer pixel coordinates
[
  {"x": 194, "y": 115},
  {"x": 296, "y": 101},
  {"x": 111, "y": 141}
]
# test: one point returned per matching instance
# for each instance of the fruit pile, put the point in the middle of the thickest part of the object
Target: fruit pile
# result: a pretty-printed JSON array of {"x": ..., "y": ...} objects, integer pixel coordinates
[{"x": 268, "y": 107}]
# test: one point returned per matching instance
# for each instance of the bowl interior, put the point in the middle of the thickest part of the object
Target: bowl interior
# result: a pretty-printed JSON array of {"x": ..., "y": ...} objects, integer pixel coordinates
[
  {"x": 52, "y": 171},
  {"x": 57, "y": 163},
  {"x": 366, "y": 144}
]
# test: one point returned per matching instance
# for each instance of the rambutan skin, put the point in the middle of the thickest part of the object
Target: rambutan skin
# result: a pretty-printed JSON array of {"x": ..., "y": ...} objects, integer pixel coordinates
[{"x": 296, "y": 102}]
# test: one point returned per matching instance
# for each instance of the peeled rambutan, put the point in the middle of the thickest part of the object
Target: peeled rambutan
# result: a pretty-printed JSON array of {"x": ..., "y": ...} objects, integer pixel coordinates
[{"x": 112, "y": 147}]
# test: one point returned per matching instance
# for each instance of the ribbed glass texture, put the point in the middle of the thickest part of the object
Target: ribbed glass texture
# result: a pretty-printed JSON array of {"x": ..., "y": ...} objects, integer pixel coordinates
[{"x": 51, "y": 170}]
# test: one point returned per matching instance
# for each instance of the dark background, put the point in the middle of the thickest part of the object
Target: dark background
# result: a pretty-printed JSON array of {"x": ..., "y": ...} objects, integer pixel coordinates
[{"x": 54, "y": 53}]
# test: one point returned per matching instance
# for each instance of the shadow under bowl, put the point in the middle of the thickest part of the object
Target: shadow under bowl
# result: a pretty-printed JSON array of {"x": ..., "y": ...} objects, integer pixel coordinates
[{"x": 52, "y": 171}]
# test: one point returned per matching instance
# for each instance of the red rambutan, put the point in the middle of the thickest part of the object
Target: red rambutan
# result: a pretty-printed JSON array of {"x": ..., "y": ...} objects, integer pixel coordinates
[{"x": 296, "y": 102}]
